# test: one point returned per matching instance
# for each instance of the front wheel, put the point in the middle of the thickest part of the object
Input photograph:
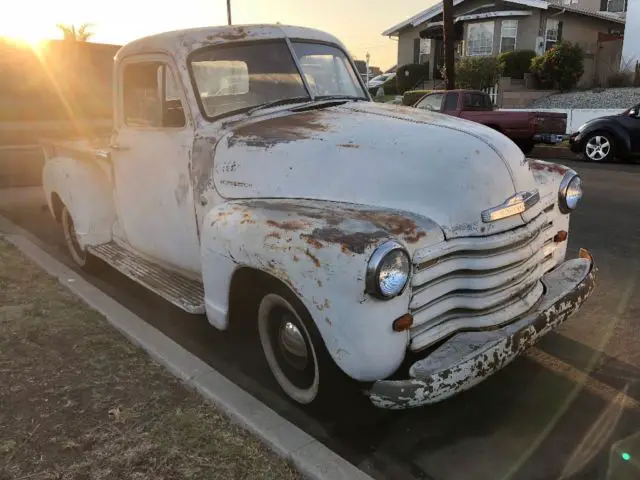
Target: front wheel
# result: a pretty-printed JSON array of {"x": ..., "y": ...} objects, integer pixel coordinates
[
  {"x": 598, "y": 147},
  {"x": 295, "y": 352},
  {"x": 80, "y": 256}
]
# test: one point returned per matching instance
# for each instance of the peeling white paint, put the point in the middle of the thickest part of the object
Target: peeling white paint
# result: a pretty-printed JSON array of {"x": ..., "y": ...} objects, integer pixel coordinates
[{"x": 306, "y": 197}]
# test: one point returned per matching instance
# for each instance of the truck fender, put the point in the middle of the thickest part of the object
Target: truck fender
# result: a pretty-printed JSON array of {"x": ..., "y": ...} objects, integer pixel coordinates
[
  {"x": 85, "y": 190},
  {"x": 320, "y": 250}
]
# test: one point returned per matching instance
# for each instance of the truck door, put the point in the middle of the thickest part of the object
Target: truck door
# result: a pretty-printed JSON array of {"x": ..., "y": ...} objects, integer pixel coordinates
[{"x": 151, "y": 151}]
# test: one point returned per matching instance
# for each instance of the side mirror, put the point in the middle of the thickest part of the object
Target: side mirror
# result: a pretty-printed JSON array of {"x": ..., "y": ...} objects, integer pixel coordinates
[{"x": 633, "y": 113}]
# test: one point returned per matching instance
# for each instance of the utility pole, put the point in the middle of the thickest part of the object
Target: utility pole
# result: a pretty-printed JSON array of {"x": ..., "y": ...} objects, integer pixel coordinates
[
  {"x": 367, "y": 56},
  {"x": 229, "y": 12},
  {"x": 449, "y": 50}
]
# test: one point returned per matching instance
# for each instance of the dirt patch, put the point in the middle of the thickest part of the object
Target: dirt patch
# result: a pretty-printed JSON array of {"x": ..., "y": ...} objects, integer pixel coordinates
[{"x": 80, "y": 401}]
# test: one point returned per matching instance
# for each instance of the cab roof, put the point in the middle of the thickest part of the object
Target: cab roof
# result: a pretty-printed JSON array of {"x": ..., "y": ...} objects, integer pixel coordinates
[{"x": 182, "y": 42}]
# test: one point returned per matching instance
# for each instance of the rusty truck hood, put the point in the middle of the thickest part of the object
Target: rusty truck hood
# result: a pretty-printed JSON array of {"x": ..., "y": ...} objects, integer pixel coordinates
[{"x": 430, "y": 164}]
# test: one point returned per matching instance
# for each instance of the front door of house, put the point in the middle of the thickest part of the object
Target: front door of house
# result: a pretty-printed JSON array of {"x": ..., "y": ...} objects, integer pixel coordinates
[{"x": 438, "y": 61}]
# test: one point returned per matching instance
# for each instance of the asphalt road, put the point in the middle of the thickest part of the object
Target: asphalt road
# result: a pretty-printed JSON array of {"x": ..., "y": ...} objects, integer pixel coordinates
[{"x": 569, "y": 408}]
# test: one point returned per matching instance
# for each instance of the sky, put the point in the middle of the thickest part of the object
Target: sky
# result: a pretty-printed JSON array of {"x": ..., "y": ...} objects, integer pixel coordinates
[{"x": 358, "y": 23}]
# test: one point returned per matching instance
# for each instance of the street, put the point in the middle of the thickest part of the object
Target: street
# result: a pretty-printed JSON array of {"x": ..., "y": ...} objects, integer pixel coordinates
[{"x": 569, "y": 408}]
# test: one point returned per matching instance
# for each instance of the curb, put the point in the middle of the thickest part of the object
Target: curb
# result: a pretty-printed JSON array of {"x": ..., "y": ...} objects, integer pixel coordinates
[{"x": 310, "y": 457}]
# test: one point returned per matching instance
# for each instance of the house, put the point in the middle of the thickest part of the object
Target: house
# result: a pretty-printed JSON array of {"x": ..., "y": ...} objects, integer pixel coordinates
[
  {"x": 631, "y": 47},
  {"x": 487, "y": 29}
]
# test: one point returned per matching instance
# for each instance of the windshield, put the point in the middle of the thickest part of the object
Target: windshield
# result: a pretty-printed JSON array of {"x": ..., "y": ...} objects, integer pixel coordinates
[{"x": 240, "y": 77}]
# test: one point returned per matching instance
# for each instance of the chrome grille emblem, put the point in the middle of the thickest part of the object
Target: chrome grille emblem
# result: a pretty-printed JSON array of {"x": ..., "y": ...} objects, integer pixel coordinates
[{"x": 518, "y": 203}]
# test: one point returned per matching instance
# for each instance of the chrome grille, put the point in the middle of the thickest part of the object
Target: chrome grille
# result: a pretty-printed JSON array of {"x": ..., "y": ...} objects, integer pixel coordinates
[{"x": 479, "y": 282}]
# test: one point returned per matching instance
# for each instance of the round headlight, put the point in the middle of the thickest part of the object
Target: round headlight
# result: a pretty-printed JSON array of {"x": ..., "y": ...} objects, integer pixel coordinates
[
  {"x": 570, "y": 192},
  {"x": 388, "y": 270}
]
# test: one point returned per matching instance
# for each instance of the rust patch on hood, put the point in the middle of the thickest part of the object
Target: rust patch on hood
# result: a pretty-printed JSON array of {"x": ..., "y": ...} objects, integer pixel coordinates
[
  {"x": 287, "y": 224},
  {"x": 399, "y": 224},
  {"x": 355, "y": 242},
  {"x": 548, "y": 167},
  {"x": 287, "y": 128},
  {"x": 313, "y": 258}
]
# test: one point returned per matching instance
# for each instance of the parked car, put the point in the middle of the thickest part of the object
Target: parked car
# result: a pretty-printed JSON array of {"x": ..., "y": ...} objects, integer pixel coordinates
[
  {"x": 602, "y": 139},
  {"x": 352, "y": 236},
  {"x": 525, "y": 128},
  {"x": 381, "y": 79}
]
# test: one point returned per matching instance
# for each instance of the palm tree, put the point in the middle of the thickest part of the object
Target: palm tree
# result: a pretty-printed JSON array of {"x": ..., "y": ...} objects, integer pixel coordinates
[{"x": 71, "y": 33}]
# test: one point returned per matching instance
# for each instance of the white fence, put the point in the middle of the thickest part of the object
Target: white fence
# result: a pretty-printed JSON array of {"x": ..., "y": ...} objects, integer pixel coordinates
[
  {"x": 492, "y": 91},
  {"x": 575, "y": 116}
]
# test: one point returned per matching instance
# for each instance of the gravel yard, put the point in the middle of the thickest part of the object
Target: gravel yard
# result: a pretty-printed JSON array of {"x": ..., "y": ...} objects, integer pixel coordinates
[{"x": 610, "y": 98}]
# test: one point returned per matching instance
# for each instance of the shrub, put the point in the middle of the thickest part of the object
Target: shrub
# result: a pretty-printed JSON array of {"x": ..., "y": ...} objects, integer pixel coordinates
[
  {"x": 412, "y": 96},
  {"x": 516, "y": 63},
  {"x": 477, "y": 72},
  {"x": 409, "y": 75},
  {"x": 562, "y": 65}
]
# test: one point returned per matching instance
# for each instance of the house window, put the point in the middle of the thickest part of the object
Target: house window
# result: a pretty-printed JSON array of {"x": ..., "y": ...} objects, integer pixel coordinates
[
  {"x": 480, "y": 39},
  {"x": 551, "y": 34},
  {"x": 508, "y": 34},
  {"x": 425, "y": 49},
  {"x": 616, "y": 6}
]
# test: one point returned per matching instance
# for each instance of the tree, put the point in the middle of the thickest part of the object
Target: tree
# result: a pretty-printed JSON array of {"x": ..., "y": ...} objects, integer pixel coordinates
[
  {"x": 81, "y": 34},
  {"x": 449, "y": 48}
]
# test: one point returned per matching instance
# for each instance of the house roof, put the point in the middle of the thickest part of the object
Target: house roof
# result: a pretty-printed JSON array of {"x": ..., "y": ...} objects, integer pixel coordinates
[
  {"x": 436, "y": 10},
  {"x": 612, "y": 17}
]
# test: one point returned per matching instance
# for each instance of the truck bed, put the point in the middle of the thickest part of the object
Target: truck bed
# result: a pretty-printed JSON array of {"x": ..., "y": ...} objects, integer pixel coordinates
[{"x": 90, "y": 149}]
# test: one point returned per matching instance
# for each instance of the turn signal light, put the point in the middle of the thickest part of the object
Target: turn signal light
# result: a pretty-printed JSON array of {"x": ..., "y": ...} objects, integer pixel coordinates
[
  {"x": 561, "y": 236},
  {"x": 403, "y": 323}
]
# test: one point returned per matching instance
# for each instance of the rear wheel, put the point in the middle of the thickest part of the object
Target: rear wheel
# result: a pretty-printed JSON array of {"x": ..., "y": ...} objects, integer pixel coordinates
[
  {"x": 80, "y": 256},
  {"x": 599, "y": 147}
]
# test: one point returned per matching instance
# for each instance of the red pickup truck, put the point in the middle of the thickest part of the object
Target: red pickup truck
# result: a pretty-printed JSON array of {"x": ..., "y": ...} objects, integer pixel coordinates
[{"x": 524, "y": 128}]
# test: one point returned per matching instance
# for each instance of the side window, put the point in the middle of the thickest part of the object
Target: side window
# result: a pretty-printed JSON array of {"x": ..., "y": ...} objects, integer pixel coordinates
[
  {"x": 151, "y": 97},
  {"x": 431, "y": 102},
  {"x": 451, "y": 102},
  {"x": 477, "y": 101}
]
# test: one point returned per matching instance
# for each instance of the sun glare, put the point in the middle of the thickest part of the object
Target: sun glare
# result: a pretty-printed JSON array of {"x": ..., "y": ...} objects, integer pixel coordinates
[{"x": 33, "y": 42}]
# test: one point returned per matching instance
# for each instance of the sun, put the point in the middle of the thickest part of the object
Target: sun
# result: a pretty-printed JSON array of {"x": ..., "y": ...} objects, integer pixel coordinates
[{"x": 21, "y": 34}]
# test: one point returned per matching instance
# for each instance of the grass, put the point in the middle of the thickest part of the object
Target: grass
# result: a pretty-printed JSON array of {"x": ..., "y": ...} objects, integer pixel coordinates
[{"x": 79, "y": 401}]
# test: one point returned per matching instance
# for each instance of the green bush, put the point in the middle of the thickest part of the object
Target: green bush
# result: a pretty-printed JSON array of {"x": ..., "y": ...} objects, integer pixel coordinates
[
  {"x": 561, "y": 66},
  {"x": 412, "y": 96},
  {"x": 516, "y": 63},
  {"x": 477, "y": 72},
  {"x": 409, "y": 75}
]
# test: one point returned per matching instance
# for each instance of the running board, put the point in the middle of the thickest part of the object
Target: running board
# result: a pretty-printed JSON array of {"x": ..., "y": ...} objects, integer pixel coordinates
[{"x": 183, "y": 292}]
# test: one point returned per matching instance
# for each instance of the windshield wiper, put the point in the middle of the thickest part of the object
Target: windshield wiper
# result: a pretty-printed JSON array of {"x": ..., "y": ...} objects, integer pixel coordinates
[
  {"x": 275, "y": 103},
  {"x": 338, "y": 97}
]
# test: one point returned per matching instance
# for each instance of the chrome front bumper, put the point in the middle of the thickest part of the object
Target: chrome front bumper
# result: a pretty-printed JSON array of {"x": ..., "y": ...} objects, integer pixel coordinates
[{"x": 468, "y": 358}]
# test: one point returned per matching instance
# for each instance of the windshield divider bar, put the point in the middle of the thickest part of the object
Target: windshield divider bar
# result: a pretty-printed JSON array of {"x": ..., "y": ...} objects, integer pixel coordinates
[{"x": 299, "y": 67}]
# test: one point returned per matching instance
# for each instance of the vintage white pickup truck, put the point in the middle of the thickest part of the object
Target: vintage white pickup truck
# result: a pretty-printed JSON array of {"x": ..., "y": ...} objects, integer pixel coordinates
[{"x": 250, "y": 177}]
